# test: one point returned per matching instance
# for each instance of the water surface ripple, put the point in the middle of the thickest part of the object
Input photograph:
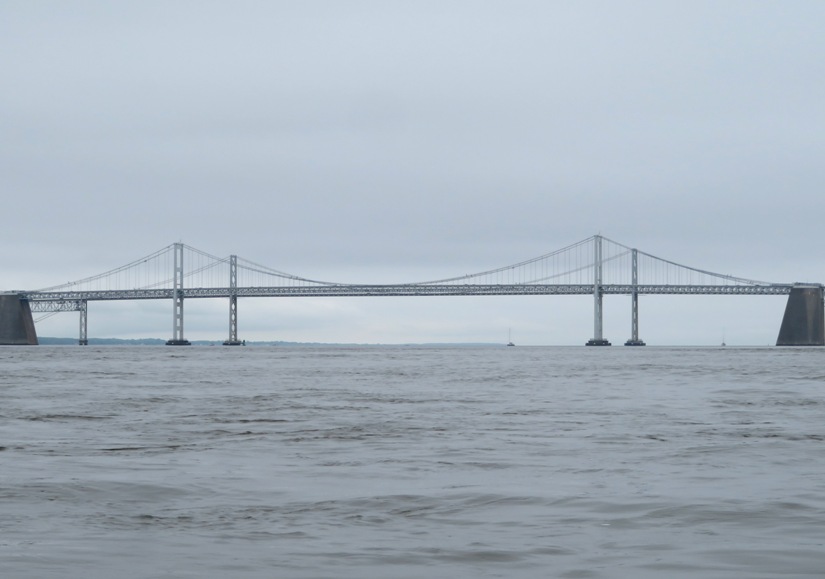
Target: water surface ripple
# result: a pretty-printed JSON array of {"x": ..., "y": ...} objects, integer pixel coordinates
[{"x": 407, "y": 462}]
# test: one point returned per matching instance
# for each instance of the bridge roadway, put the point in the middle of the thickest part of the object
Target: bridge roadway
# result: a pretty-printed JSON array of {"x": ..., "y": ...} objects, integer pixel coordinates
[{"x": 69, "y": 300}]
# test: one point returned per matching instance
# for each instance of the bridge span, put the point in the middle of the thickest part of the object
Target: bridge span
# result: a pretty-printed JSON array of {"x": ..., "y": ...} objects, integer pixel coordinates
[{"x": 595, "y": 266}]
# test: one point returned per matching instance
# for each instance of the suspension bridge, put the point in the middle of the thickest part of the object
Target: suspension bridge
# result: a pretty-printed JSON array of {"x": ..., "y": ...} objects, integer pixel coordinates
[{"x": 596, "y": 266}]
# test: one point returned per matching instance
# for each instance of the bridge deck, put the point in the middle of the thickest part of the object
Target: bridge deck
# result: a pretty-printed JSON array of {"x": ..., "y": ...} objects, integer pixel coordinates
[{"x": 51, "y": 301}]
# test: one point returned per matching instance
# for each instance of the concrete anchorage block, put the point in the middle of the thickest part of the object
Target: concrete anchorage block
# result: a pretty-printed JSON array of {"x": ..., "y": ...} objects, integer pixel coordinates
[
  {"x": 16, "y": 322},
  {"x": 804, "y": 321}
]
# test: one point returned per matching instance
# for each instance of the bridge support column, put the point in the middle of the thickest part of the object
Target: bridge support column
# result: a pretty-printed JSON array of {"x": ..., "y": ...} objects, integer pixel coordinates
[
  {"x": 634, "y": 313},
  {"x": 233, "y": 302},
  {"x": 16, "y": 322},
  {"x": 177, "y": 299},
  {"x": 84, "y": 327},
  {"x": 804, "y": 321},
  {"x": 598, "y": 339}
]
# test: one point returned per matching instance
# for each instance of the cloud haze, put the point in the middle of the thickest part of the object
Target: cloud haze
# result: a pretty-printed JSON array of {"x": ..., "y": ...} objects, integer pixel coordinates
[{"x": 397, "y": 141}]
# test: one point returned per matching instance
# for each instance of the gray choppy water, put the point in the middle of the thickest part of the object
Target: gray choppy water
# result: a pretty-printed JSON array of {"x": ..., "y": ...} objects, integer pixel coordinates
[{"x": 412, "y": 462}]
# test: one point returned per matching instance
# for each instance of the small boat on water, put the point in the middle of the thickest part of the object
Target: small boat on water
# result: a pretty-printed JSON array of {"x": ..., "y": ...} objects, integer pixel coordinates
[{"x": 509, "y": 340}]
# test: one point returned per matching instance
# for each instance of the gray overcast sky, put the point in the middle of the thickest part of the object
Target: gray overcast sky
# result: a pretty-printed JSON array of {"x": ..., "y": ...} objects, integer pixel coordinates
[{"x": 395, "y": 141}]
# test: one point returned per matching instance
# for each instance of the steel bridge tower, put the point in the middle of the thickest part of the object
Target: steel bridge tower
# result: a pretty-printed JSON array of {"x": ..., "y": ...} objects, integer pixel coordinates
[
  {"x": 177, "y": 301},
  {"x": 83, "y": 308},
  {"x": 233, "y": 303},
  {"x": 598, "y": 338},
  {"x": 634, "y": 300}
]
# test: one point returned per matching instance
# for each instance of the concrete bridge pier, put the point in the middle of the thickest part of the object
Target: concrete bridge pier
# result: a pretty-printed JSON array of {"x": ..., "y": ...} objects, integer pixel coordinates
[
  {"x": 804, "y": 321},
  {"x": 16, "y": 322}
]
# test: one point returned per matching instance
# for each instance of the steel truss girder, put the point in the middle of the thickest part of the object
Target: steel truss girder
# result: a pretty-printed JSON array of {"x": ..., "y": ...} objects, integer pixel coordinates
[
  {"x": 69, "y": 301},
  {"x": 44, "y": 307},
  {"x": 763, "y": 290},
  {"x": 102, "y": 295}
]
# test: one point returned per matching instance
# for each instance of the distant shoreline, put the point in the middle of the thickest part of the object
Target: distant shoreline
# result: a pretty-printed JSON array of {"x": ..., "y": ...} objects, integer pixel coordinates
[{"x": 51, "y": 341}]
